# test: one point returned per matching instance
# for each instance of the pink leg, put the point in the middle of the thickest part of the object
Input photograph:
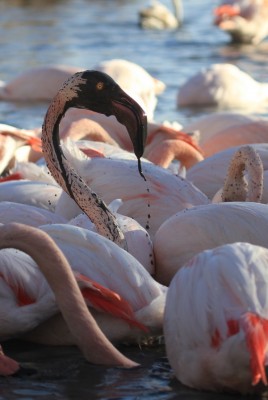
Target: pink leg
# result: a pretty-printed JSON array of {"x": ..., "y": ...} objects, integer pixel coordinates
[{"x": 8, "y": 366}]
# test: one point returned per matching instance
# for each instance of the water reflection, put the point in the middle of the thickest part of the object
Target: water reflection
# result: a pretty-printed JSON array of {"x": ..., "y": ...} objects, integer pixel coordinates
[{"x": 62, "y": 373}]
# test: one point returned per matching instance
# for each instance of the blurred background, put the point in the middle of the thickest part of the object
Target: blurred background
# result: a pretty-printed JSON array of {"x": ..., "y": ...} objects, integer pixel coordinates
[{"x": 82, "y": 33}]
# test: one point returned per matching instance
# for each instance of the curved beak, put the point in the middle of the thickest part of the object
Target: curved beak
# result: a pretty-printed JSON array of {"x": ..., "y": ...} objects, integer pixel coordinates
[{"x": 129, "y": 113}]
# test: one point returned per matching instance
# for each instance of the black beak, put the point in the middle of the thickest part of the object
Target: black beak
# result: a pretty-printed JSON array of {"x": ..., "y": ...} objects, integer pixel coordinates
[{"x": 129, "y": 113}]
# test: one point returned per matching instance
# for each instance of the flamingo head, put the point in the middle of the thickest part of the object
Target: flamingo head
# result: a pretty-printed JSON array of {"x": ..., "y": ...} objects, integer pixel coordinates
[
  {"x": 226, "y": 12},
  {"x": 97, "y": 91}
]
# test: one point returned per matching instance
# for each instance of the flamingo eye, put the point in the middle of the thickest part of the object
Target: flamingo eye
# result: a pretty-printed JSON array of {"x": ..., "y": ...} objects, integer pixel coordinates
[{"x": 99, "y": 85}]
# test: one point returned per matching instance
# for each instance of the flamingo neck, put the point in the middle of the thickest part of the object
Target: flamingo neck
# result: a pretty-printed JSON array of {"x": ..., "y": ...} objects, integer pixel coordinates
[
  {"x": 70, "y": 181},
  {"x": 235, "y": 186},
  {"x": 56, "y": 269}
]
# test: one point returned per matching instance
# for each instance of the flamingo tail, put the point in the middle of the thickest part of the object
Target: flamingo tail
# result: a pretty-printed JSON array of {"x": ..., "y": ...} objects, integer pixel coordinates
[
  {"x": 35, "y": 143},
  {"x": 256, "y": 331},
  {"x": 12, "y": 177},
  {"x": 106, "y": 300}
]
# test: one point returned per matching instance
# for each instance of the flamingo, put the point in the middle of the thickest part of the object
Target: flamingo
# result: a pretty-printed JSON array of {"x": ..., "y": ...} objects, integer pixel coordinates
[
  {"x": 96, "y": 91},
  {"x": 42, "y": 83},
  {"x": 236, "y": 187},
  {"x": 244, "y": 20},
  {"x": 158, "y": 16},
  {"x": 134, "y": 312},
  {"x": 39, "y": 83},
  {"x": 222, "y": 130},
  {"x": 225, "y": 86},
  {"x": 165, "y": 144},
  {"x": 29, "y": 171},
  {"x": 139, "y": 243},
  {"x": 28, "y": 214},
  {"x": 215, "y": 226},
  {"x": 56, "y": 269},
  {"x": 204, "y": 227},
  {"x": 209, "y": 175},
  {"x": 80, "y": 124},
  {"x": 38, "y": 194},
  {"x": 105, "y": 96},
  {"x": 13, "y": 140},
  {"x": 216, "y": 319},
  {"x": 137, "y": 239},
  {"x": 116, "y": 270}
]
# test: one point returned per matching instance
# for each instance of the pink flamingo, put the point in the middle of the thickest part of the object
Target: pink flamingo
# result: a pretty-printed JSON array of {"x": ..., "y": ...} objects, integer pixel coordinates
[
  {"x": 17, "y": 143},
  {"x": 209, "y": 174},
  {"x": 222, "y": 130},
  {"x": 96, "y": 91},
  {"x": 135, "y": 310},
  {"x": 244, "y": 20},
  {"x": 36, "y": 193},
  {"x": 216, "y": 319},
  {"x": 87, "y": 335},
  {"x": 239, "y": 218},
  {"x": 236, "y": 187},
  {"x": 165, "y": 145},
  {"x": 41, "y": 83},
  {"x": 225, "y": 86}
]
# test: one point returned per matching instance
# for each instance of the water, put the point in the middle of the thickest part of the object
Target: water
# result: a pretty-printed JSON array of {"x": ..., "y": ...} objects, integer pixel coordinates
[{"x": 83, "y": 33}]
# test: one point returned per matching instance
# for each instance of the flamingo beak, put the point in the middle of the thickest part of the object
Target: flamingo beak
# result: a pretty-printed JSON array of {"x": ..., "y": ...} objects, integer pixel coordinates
[{"x": 129, "y": 113}]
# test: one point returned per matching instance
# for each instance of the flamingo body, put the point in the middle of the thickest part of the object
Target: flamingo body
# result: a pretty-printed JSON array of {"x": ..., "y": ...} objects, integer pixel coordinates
[
  {"x": 244, "y": 21},
  {"x": 34, "y": 193},
  {"x": 109, "y": 265},
  {"x": 209, "y": 175},
  {"x": 158, "y": 16},
  {"x": 22, "y": 301},
  {"x": 225, "y": 86},
  {"x": 222, "y": 130},
  {"x": 30, "y": 302},
  {"x": 137, "y": 238},
  {"x": 27, "y": 214},
  {"x": 40, "y": 83},
  {"x": 205, "y": 227},
  {"x": 216, "y": 319},
  {"x": 137, "y": 201}
]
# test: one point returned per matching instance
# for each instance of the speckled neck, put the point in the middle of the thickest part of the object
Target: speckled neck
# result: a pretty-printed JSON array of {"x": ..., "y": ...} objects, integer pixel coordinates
[
  {"x": 64, "y": 173},
  {"x": 236, "y": 188}
]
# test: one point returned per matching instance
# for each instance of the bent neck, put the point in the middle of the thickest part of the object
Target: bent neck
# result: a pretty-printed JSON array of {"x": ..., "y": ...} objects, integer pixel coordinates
[
  {"x": 235, "y": 186},
  {"x": 70, "y": 180},
  {"x": 56, "y": 269}
]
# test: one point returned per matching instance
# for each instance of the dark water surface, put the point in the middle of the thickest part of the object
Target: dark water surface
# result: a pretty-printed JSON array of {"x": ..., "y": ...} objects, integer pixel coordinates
[
  {"x": 83, "y": 33},
  {"x": 55, "y": 373}
]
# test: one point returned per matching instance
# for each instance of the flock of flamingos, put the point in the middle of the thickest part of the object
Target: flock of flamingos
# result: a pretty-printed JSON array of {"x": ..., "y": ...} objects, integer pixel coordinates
[{"x": 117, "y": 228}]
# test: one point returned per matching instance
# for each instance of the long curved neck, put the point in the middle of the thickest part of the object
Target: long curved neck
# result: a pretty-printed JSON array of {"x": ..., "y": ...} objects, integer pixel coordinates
[
  {"x": 56, "y": 269},
  {"x": 235, "y": 186},
  {"x": 69, "y": 179}
]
